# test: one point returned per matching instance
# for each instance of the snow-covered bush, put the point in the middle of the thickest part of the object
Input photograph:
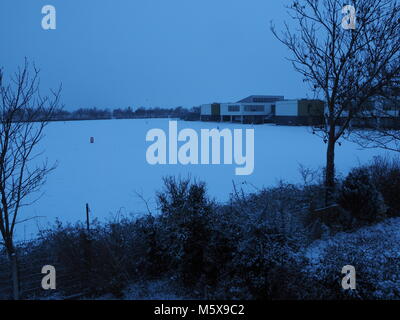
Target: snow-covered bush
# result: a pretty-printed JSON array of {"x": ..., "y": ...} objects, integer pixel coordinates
[
  {"x": 385, "y": 174},
  {"x": 185, "y": 227},
  {"x": 264, "y": 266},
  {"x": 247, "y": 249},
  {"x": 266, "y": 231},
  {"x": 360, "y": 196},
  {"x": 373, "y": 251},
  {"x": 282, "y": 209}
]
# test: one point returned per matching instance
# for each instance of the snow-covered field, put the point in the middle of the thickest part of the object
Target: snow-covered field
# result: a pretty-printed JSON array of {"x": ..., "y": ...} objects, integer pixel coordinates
[{"x": 109, "y": 173}]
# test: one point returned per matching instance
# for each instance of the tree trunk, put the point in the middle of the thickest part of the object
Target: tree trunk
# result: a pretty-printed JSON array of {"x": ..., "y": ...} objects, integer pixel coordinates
[
  {"x": 330, "y": 170},
  {"x": 12, "y": 256},
  {"x": 15, "y": 275}
]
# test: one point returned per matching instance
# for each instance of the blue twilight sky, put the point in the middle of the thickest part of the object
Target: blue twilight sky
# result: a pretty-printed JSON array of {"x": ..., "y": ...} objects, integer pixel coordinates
[{"x": 163, "y": 53}]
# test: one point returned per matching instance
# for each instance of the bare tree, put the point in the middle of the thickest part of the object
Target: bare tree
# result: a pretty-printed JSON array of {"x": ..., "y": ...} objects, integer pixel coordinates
[
  {"x": 24, "y": 114},
  {"x": 347, "y": 68}
]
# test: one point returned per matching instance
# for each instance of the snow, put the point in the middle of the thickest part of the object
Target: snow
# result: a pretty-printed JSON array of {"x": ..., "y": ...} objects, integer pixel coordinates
[
  {"x": 378, "y": 241},
  {"x": 373, "y": 250},
  {"x": 108, "y": 173}
]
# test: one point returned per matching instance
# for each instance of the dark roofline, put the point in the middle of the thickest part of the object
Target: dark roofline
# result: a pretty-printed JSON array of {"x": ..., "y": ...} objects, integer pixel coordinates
[{"x": 270, "y": 98}]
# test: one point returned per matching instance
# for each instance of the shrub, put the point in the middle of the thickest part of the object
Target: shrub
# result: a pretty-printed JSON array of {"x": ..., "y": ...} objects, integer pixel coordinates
[
  {"x": 372, "y": 250},
  {"x": 185, "y": 221},
  {"x": 97, "y": 261},
  {"x": 385, "y": 175},
  {"x": 264, "y": 266},
  {"x": 266, "y": 234},
  {"x": 360, "y": 197}
]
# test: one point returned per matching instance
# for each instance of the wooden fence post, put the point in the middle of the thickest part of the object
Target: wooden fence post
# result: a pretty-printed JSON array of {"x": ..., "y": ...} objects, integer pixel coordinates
[
  {"x": 87, "y": 219},
  {"x": 88, "y": 250}
]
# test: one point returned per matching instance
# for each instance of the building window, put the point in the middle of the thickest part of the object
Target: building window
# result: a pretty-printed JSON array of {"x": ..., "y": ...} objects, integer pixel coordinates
[
  {"x": 254, "y": 108},
  {"x": 233, "y": 108}
]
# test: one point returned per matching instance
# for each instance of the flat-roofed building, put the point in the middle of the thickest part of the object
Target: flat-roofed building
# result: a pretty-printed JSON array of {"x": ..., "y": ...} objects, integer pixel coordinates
[
  {"x": 309, "y": 112},
  {"x": 253, "y": 109}
]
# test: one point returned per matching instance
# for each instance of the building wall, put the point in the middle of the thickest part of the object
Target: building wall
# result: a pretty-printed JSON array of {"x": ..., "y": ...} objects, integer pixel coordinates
[
  {"x": 239, "y": 109},
  {"x": 298, "y": 120},
  {"x": 314, "y": 108},
  {"x": 299, "y": 112},
  {"x": 225, "y": 109},
  {"x": 216, "y": 109},
  {"x": 205, "y": 110},
  {"x": 288, "y": 108}
]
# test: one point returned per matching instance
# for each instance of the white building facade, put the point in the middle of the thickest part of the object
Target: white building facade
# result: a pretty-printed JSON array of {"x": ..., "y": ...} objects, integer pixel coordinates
[{"x": 254, "y": 109}]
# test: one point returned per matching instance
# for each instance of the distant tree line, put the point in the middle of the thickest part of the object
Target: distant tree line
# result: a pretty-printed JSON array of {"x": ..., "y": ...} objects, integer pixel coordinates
[
  {"x": 32, "y": 114},
  {"x": 128, "y": 113}
]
